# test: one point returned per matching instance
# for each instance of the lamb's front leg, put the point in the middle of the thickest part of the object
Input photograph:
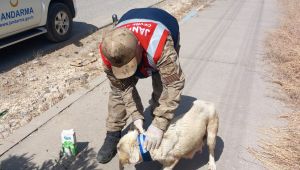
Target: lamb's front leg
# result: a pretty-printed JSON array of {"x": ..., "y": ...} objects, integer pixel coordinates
[
  {"x": 211, "y": 162},
  {"x": 170, "y": 165}
]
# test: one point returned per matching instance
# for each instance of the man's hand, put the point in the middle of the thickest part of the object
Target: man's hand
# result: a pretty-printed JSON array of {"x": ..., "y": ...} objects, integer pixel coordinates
[
  {"x": 153, "y": 138},
  {"x": 139, "y": 125}
]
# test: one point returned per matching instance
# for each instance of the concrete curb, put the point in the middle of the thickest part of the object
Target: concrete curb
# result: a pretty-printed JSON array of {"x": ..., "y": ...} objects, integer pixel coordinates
[
  {"x": 41, "y": 120},
  {"x": 194, "y": 12}
]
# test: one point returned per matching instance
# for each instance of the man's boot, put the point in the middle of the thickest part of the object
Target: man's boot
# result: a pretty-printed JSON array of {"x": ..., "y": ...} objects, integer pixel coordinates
[{"x": 109, "y": 147}]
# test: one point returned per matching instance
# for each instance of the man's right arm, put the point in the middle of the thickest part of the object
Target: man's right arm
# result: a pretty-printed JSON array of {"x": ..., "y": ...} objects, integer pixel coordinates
[{"x": 125, "y": 92}]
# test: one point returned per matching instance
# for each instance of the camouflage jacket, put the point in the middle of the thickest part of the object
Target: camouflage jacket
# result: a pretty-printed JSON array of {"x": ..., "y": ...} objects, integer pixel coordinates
[{"x": 124, "y": 90}]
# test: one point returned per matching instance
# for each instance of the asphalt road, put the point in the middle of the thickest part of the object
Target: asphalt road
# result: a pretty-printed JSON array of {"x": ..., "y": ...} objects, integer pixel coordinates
[
  {"x": 91, "y": 15},
  {"x": 222, "y": 58}
]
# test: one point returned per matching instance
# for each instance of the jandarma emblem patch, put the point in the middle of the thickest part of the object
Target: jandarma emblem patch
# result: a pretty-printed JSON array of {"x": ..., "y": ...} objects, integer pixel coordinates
[{"x": 14, "y": 3}]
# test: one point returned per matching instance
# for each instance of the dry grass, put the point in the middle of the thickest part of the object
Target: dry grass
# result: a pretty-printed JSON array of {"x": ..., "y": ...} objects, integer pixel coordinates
[
  {"x": 283, "y": 50},
  {"x": 281, "y": 150}
]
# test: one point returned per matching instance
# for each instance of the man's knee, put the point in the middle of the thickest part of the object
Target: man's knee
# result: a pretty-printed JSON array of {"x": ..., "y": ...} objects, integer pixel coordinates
[
  {"x": 113, "y": 126},
  {"x": 116, "y": 119}
]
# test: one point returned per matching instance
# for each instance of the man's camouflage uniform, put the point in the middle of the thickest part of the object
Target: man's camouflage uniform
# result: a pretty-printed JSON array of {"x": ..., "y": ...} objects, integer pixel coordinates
[{"x": 167, "y": 83}]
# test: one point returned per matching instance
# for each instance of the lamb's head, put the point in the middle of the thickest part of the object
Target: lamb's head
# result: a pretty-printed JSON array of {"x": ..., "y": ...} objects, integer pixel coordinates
[{"x": 128, "y": 149}]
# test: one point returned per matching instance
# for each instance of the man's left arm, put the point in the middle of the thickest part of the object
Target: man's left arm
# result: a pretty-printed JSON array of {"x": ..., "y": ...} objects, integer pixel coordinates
[{"x": 173, "y": 83}]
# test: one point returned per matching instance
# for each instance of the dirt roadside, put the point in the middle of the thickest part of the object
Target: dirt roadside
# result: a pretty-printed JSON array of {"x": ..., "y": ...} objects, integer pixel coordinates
[
  {"x": 281, "y": 147},
  {"x": 32, "y": 88}
]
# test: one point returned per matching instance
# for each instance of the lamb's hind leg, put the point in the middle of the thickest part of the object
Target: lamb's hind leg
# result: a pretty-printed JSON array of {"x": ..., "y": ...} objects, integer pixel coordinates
[{"x": 212, "y": 130}]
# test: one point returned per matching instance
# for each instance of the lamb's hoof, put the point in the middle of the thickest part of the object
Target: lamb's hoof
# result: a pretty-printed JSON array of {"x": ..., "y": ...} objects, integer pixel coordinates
[{"x": 212, "y": 166}]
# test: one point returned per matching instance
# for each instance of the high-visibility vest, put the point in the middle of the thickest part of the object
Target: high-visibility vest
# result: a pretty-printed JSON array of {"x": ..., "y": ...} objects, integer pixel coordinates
[
  {"x": 152, "y": 36},
  {"x": 151, "y": 26}
]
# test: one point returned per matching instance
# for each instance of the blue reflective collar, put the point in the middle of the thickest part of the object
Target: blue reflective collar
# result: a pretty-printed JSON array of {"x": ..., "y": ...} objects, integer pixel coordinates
[{"x": 145, "y": 154}]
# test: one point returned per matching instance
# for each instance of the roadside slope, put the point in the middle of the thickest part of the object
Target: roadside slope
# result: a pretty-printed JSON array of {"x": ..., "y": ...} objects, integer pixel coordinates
[{"x": 280, "y": 149}]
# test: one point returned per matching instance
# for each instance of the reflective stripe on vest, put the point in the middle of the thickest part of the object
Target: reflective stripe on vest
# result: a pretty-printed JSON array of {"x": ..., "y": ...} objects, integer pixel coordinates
[{"x": 157, "y": 41}]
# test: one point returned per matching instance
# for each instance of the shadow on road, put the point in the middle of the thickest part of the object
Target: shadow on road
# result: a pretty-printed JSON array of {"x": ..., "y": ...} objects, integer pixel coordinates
[
  {"x": 201, "y": 159},
  {"x": 198, "y": 161},
  {"x": 24, "y": 162},
  {"x": 186, "y": 103},
  {"x": 28, "y": 50}
]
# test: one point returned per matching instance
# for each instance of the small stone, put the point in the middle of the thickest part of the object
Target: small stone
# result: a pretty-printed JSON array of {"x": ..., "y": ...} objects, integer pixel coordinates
[
  {"x": 19, "y": 73},
  {"x": 5, "y": 134},
  {"x": 34, "y": 101},
  {"x": 23, "y": 122},
  {"x": 46, "y": 90},
  {"x": 24, "y": 113},
  {"x": 43, "y": 99},
  {"x": 5, "y": 83},
  {"x": 54, "y": 89},
  {"x": 12, "y": 121},
  {"x": 91, "y": 54},
  {"x": 14, "y": 124},
  {"x": 33, "y": 79},
  {"x": 84, "y": 77},
  {"x": 35, "y": 61}
]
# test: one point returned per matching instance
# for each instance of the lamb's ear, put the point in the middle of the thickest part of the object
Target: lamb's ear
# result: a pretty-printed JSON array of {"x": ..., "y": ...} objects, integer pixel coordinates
[
  {"x": 133, "y": 138},
  {"x": 134, "y": 155}
]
